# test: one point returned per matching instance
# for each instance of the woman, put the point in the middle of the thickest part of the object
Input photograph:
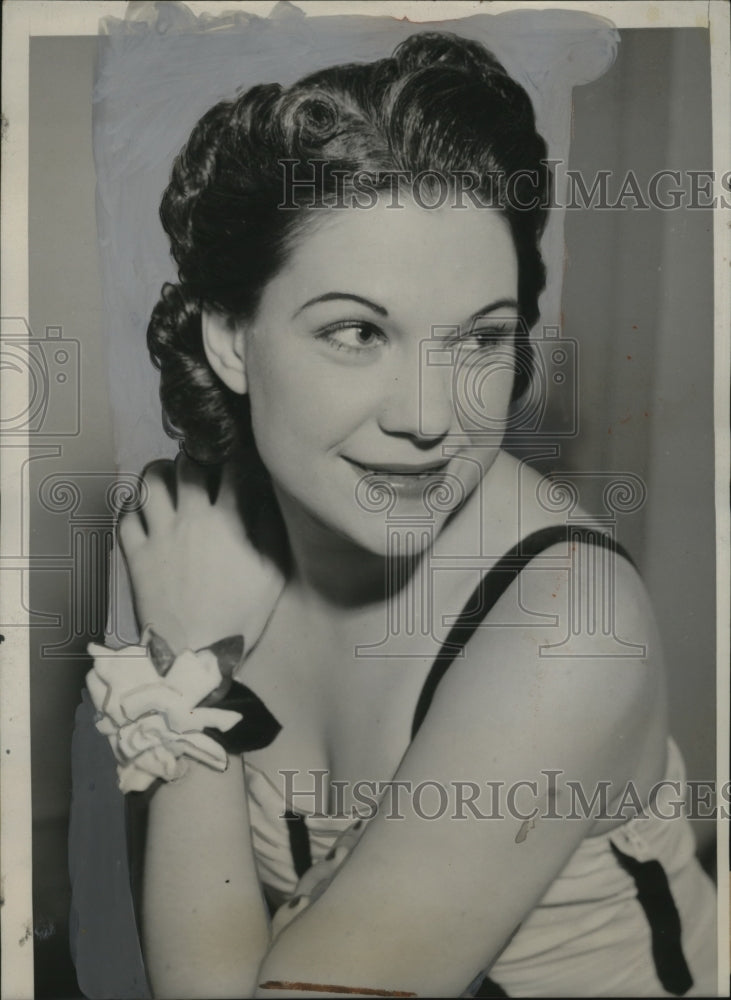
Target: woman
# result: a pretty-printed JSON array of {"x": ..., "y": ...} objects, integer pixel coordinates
[{"x": 356, "y": 254}]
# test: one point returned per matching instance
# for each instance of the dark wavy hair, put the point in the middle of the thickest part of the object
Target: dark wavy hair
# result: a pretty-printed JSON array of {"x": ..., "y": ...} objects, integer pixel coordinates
[{"x": 440, "y": 103}]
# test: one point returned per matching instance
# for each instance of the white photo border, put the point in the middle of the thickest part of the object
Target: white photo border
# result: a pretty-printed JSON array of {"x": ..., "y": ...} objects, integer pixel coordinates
[{"x": 23, "y": 19}]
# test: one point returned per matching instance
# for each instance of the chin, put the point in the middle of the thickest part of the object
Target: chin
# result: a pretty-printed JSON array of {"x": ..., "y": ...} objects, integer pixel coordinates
[
  {"x": 394, "y": 517},
  {"x": 393, "y": 536},
  {"x": 378, "y": 518}
]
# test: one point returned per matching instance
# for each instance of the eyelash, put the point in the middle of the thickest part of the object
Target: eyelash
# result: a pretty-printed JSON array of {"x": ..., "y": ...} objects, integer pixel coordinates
[
  {"x": 487, "y": 337},
  {"x": 327, "y": 335}
]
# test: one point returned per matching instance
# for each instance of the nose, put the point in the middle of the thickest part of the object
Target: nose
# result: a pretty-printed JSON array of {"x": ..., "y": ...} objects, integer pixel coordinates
[{"x": 418, "y": 399}]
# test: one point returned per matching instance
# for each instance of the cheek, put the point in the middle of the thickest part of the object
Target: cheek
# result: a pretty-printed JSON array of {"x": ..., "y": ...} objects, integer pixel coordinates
[
  {"x": 481, "y": 390},
  {"x": 299, "y": 408},
  {"x": 283, "y": 421}
]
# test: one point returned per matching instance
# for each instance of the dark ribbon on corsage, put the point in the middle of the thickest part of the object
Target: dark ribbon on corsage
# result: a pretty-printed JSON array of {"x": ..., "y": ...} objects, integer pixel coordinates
[
  {"x": 157, "y": 707},
  {"x": 258, "y": 727}
]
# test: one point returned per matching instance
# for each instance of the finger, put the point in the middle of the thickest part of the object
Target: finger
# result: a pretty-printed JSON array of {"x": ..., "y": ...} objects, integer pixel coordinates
[
  {"x": 193, "y": 483},
  {"x": 131, "y": 533},
  {"x": 320, "y": 874},
  {"x": 287, "y": 912},
  {"x": 160, "y": 494},
  {"x": 350, "y": 837}
]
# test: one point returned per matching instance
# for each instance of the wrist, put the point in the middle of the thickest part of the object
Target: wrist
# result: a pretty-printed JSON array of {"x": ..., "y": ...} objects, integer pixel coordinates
[{"x": 161, "y": 709}]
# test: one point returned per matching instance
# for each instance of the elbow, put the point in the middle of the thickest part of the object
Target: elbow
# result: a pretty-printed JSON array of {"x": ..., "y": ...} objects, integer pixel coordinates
[{"x": 203, "y": 965}]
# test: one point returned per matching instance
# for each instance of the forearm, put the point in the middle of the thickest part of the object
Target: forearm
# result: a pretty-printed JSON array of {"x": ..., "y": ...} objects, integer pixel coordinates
[{"x": 205, "y": 927}]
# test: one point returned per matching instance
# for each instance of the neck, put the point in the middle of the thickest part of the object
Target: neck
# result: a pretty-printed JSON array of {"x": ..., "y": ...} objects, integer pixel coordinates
[{"x": 330, "y": 569}]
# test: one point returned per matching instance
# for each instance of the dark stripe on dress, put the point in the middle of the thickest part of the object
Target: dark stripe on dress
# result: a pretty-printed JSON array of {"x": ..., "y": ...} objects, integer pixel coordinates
[
  {"x": 656, "y": 899},
  {"x": 489, "y": 988},
  {"x": 491, "y": 588},
  {"x": 299, "y": 842}
]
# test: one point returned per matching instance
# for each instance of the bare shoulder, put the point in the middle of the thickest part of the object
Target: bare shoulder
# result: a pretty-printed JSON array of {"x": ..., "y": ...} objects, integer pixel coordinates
[{"x": 570, "y": 654}]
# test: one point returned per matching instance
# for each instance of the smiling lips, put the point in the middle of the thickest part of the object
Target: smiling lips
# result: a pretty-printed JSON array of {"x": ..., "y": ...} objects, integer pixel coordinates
[{"x": 401, "y": 470}]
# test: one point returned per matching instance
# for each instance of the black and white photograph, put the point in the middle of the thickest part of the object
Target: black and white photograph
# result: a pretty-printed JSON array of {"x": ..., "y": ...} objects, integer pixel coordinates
[{"x": 364, "y": 570}]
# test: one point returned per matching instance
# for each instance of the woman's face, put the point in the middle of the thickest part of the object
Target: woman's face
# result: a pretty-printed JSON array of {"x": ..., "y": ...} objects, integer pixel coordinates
[{"x": 380, "y": 365}]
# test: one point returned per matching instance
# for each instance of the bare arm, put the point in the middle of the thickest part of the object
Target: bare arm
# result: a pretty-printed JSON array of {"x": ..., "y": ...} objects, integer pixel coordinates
[
  {"x": 196, "y": 578},
  {"x": 205, "y": 926}
]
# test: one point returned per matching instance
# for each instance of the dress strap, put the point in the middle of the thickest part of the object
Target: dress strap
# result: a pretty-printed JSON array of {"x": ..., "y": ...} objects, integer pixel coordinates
[{"x": 491, "y": 588}]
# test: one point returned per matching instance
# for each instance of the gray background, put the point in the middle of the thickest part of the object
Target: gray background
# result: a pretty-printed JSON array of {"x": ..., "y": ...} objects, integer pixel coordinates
[{"x": 637, "y": 284}]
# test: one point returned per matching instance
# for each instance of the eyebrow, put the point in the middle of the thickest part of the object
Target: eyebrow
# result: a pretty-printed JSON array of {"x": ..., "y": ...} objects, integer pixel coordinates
[
  {"x": 330, "y": 296},
  {"x": 492, "y": 306}
]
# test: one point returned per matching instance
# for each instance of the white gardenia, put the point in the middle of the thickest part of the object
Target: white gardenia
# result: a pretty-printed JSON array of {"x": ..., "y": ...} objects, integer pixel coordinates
[{"x": 153, "y": 721}]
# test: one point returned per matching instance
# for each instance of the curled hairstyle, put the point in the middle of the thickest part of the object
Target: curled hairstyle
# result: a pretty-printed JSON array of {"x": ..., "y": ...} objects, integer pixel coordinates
[{"x": 440, "y": 104}]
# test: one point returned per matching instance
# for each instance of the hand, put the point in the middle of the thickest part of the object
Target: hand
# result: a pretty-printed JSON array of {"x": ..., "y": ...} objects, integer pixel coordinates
[{"x": 196, "y": 574}]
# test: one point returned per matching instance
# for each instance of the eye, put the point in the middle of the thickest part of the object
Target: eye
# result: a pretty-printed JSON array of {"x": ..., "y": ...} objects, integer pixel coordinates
[
  {"x": 355, "y": 336},
  {"x": 489, "y": 335}
]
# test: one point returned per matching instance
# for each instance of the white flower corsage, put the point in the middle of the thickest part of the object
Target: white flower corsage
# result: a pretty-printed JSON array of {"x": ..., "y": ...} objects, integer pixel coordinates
[{"x": 154, "y": 706}]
